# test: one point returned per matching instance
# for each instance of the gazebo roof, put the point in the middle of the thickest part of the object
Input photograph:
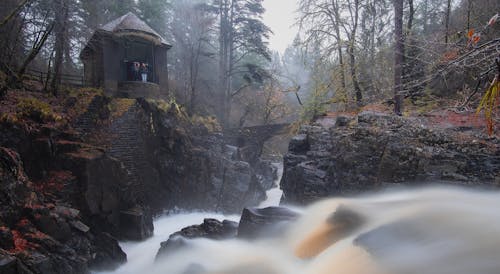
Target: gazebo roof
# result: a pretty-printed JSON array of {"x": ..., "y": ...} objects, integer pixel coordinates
[{"x": 131, "y": 24}]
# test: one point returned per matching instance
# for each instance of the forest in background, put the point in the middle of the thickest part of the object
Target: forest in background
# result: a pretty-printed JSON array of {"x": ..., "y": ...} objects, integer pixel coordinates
[{"x": 347, "y": 54}]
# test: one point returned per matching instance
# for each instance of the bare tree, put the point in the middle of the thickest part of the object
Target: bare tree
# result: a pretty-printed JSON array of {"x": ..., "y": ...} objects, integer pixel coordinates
[{"x": 398, "y": 55}]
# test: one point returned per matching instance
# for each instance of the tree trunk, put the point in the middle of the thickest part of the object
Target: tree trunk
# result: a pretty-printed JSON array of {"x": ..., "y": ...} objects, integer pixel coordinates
[
  {"x": 425, "y": 16},
  {"x": 372, "y": 43},
  {"x": 230, "y": 65},
  {"x": 448, "y": 9},
  {"x": 469, "y": 10},
  {"x": 60, "y": 32},
  {"x": 223, "y": 60},
  {"x": 13, "y": 13},
  {"x": 339, "y": 46},
  {"x": 352, "y": 45},
  {"x": 398, "y": 56}
]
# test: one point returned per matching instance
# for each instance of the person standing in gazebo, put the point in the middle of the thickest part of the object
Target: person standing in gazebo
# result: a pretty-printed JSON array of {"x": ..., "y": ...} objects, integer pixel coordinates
[
  {"x": 144, "y": 72},
  {"x": 135, "y": 67}
]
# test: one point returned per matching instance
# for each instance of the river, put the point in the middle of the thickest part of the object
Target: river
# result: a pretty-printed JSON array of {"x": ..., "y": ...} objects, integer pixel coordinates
[
  {"x": 432, "y": 230},
  {"x": 141, "y": 255}
]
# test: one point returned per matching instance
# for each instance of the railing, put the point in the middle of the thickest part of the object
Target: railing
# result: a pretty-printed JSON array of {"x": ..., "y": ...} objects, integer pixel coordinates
[{"x": 66, "y": 79}]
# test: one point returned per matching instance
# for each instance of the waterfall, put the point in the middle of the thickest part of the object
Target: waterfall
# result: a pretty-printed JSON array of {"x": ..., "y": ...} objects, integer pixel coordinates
[
  {"x": 141, "y": 255},
  {"x": 432, "y": 231},
  {"x": 435, "y": 230}
]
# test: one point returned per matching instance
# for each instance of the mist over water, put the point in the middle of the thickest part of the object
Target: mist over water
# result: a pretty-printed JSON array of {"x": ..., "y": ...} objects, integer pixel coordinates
[
  {"x": 438, "y": 230},
  {"x": 432, "y": 231}
]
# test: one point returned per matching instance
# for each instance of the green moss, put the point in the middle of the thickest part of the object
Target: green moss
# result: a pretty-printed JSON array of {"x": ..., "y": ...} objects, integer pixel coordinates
[
  {"x": 120, "y": 106},
  {"x": 36, "y": 110},
  {"x": 82, "y": 92},
  {"x": 209, "y": 122},
  {"x": 424, "y": 104},
  {"x": 170, "y": 106}
]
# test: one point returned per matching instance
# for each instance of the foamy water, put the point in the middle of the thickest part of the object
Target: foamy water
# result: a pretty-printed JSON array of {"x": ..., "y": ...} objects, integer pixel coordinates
[
  {"x": 438, "y": 230},
  {"x": 432, "y": 231},
  {"x": 141, "y": 255}
]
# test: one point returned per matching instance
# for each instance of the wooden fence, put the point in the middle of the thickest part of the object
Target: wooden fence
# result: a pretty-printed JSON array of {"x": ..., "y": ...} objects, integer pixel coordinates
[{"x": 66, "y": 79}]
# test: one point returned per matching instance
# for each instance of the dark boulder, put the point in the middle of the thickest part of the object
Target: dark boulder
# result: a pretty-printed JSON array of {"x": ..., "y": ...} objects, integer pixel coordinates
[
  {"x": 6, "y": 238},
  {"x": 107, "y": 255},
  {"x": 267, "y": 173},
  {"x": 299, "y": 144},
  {"x": 8, "y": 264},
  {"x": 257, "y": 222},
  {"x": 240, "y": 187},
  {"x": 210, "y": 229},
  {"x": 136, "y": 224}
]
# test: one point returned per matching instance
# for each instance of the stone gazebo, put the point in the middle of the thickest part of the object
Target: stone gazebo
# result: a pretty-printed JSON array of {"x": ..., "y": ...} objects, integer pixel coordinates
[{"x": 114, "y": 49}]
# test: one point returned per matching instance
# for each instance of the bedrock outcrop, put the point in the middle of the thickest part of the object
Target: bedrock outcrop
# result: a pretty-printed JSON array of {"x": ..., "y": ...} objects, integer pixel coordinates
[
  {"x": 348, "y": 155},
  {"x": 97, "y": 171}
]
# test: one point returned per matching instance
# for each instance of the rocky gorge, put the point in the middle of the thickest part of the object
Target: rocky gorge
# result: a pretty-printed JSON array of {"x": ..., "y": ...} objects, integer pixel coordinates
[
  {"x": 82, "y": 172},
  {"x": 98, "y": 169}
]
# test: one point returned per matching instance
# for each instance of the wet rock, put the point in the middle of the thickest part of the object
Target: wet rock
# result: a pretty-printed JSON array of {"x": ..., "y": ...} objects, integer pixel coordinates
[
  {"x": 107, "y": 255},
  {"x": 135, "y": 224},
  {"x": 6, "y": 240},
  {"x": 231, "y": 152},
  {"x": 256, "y": 222},
  {"x": 8, "y": 264},
  {"x": 210, "y": 229},
  {"x": 343, "y": 121},
  {"x": 267, "y": 173},
  {"x": 55, "y": 227},
  {"x": 299, "y": 144},
  {"x": 240, "y": 187},
  {"x": 380, "y": 150},
  {"x": 38, "y": 233},
  {"x": 80, "y": 226}
]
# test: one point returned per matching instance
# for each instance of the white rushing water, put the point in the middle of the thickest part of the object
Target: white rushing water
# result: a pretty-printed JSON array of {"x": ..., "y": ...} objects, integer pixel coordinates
[
  {"x": 436, "y": 230},
  {"x": 141, "y": 255}
]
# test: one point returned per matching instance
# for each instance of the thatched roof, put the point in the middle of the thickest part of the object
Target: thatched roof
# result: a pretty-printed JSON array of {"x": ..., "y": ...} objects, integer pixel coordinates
[{"x": 130, "y": 24}]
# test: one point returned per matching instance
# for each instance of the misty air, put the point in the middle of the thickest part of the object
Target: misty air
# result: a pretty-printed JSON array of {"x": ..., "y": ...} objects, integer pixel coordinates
[{"x": 249, "y": 136}]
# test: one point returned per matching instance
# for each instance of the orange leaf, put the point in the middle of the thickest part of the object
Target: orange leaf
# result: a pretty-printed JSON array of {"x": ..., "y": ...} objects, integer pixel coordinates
[
  {"x": 470, "y": 33},
  {"x": 476, "y": 38}
]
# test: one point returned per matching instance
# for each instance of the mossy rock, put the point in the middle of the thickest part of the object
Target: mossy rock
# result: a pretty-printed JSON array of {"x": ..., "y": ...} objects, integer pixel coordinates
[{"x": 36, "y": 110}]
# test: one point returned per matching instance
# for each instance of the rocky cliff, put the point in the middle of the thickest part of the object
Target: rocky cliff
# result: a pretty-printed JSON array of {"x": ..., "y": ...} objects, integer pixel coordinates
[
  {"x": 81, "y": 171},
  {"x": 346, "y": 155}
]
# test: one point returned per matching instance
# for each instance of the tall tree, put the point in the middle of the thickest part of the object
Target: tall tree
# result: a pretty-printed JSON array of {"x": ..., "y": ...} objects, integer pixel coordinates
[
  {"x": 447, "y": 21},
  {"x": 242, "y": 34},
  {"x": 398, "y": 55},
  {"x": 61, "y": 32},
  {"x": 191, "y": 28},
  {"x": 155, "y": 13}
]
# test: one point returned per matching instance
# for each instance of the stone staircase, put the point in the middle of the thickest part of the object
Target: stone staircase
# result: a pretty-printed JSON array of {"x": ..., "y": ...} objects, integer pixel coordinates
[{"x": 128, "y": 146}]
